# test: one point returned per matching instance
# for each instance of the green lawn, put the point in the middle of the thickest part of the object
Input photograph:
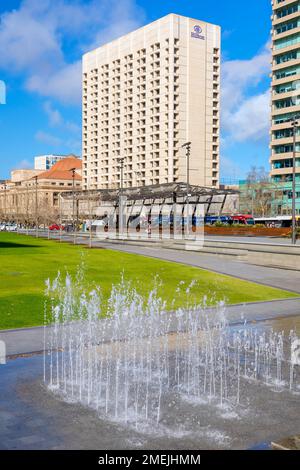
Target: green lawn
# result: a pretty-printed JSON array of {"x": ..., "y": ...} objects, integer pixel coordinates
[{"x": 27, "y": 262}]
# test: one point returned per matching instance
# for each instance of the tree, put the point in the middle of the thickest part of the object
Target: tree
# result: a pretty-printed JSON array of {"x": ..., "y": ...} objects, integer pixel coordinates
[
  {"x": 259, "y": 191},
  {"x": 257, "y": 175}
]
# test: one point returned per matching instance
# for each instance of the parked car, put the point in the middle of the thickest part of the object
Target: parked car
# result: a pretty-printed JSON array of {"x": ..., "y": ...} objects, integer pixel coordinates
[
  {"x": 69, "y": 228},
  {"x": 56, "y": 227},
  {"x": 97, "y": 223},
  {"x": 11, "y": 227},
  {"x": 243, "y": 219}
]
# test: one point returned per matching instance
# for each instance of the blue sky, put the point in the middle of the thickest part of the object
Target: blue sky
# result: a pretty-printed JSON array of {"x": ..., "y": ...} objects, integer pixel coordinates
[{"x": 41, "y": 43}]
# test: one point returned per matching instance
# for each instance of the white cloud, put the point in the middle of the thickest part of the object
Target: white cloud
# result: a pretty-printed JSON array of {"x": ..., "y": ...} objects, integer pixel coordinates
[
  {"x": 24, "y": 40},
  {"x": 73, "y": 146},
  {"x": 245, "y": 111},
  {"x": 251, "y": 119},
  {"x": 63, "y": 85},
  {"x": 56, "y": 119},
  {"x": 54, "y": 116},
  {"x": 73, "y": 127},
  {"x": 123, "y": 16},
  {"x": 48, "y": 139},
  {"x": 34, "y": 40},
  {"x": 69, "y": 145}
]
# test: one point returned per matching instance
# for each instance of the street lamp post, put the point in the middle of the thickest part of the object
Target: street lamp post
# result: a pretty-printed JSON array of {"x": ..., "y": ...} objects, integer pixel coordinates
[
  {"x": 36, "y": 205},
  {"x": 90, "y": 217},
  {"x": 5, "y": 187},
  {"x": 295, "y": 125},
  {"x": 60, "y": 217},
  {"x": 17, "y": 210},
  {"x": 73, "y": 170},
  {"x": 121, "y": 215},
  {"x": 187, "y": 147},
  {"x": 27, "y": 209}
]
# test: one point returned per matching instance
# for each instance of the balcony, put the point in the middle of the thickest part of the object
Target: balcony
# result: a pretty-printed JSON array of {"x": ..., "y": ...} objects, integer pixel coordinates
[
  {"x": 290, "y": 109},
  {"x": 286, "y": 34},
  {"x": 291, "y": 47},
  {"x": 287, "y": 94},
  {"x": 284, "y": 65},
  {"x": 280, "y": 5},
  {"x": 282, "y": 81},
  {"x": 284, "y": 141},
  {"x": 277, "y": 127},
  {"x": 282, "y": 171},
  {"x": 284, "y": 19}
]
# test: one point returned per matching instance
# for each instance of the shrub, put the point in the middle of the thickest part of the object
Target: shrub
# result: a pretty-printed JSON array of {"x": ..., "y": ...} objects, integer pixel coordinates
[{"x": 220, "y": 224}]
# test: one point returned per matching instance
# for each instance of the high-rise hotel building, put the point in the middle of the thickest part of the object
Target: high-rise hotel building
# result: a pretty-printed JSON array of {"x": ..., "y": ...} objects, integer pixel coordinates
[
  {"x": 285, "y": 88},
  {"x": 144, "y": 95}
]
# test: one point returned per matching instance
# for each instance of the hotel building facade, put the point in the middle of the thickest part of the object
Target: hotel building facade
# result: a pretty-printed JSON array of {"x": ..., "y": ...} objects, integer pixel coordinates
[
  {"x": 144, "y": 96},
  {"x": 285, "y": 93}
]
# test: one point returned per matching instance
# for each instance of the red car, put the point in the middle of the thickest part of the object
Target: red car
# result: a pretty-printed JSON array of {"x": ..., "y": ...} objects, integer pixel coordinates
[
  {"x": 243, "y": 219},
  {"x": 56, "y": 227}
]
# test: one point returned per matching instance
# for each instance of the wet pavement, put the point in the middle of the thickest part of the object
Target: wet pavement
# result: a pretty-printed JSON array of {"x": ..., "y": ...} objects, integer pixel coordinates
[{"x": 32, "y": 417}]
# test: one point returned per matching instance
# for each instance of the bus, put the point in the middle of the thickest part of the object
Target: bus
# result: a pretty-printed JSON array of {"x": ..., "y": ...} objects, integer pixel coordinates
[
  {"x": 281, "y": 221},
  {"x": 229, "y": 219},
  {"x": 213, "y": 219}
]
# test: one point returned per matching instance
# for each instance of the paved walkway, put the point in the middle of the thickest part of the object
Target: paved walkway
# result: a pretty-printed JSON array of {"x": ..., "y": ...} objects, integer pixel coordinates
[
  {"x": 275, "y": 277},
  {"x": 31, "y": 340},
  {"x": 259, "y": 240},
  {"x": 234, "y": 239}
]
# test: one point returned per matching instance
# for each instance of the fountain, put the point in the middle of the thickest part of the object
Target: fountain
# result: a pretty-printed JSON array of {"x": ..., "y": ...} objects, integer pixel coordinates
[{"x": 128, "y": 356}]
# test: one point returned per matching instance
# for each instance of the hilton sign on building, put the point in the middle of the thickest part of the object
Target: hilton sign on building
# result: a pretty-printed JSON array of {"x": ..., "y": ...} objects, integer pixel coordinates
[{"x": 144, "y": 95}]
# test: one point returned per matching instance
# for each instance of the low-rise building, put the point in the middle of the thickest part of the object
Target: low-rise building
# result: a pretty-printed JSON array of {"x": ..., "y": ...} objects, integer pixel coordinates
[{"x": 32, "y": 195}]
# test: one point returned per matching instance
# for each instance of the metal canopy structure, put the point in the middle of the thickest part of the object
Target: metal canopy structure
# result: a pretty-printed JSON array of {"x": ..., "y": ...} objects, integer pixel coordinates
[
  {"x": 167, "y": 208},
  {"x": 172, "y": 205},
  {"x": 165, "y": 191}
]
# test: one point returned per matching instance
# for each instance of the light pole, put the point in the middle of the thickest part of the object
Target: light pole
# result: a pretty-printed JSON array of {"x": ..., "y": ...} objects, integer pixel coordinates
[
  {"x": 295, "y": 125},
  {"x": 121, "y": 221},
  {"x": 90, "y": 217},
  {"x": 5, "y": 187},
  {"x": 73, "y": 203},
  {"x": 60, "y": 217},
  {"x": 17, "y": 209},
  {"x": 27, "y": 208},
  {"x": 187, "y": 147},
  {"x": 36, "y": 205}
]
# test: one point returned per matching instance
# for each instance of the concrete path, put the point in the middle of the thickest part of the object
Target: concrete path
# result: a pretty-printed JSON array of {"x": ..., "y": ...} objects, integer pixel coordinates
[
  {"x": 31, "y": 340},
  {"x": 234, "y": 239},
  {"x": 274, "y": 277},
  {"x": 259, "y": 240}
]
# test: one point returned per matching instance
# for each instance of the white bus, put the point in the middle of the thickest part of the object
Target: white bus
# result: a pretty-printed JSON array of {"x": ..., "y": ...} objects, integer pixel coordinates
[{"x": 278, "y": 222}]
